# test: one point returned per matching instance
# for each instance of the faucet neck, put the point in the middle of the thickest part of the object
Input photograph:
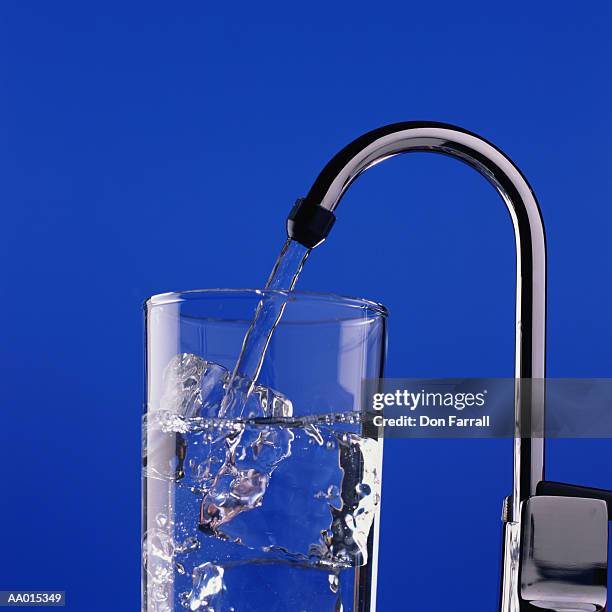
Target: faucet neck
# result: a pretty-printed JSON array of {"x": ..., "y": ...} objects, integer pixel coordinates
[{"x": 312, "y": 218}]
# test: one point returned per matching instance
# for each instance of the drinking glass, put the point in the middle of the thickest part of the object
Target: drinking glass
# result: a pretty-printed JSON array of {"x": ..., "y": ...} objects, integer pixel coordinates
[{"x": 274, "y": 507}]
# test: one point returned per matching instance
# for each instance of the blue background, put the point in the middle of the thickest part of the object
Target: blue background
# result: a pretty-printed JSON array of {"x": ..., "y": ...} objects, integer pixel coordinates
[{"x": 147, "y": 147}]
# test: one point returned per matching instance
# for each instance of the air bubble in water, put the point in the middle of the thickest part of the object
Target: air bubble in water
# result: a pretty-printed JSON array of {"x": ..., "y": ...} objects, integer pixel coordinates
[
  {"x": 161, "y": 519},
  {"x": 363, "y": 489},
  {"x": 334, "y": 583},
  {"x": 188, "y": 545}
]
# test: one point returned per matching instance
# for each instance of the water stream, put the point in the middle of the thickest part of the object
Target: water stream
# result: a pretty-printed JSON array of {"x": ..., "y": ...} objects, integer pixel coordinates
[{"x": 268, "y": 314}]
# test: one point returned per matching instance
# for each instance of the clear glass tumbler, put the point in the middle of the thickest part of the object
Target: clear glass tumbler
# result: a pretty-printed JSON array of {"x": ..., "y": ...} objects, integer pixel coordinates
[{"x": 275, "y": 508}]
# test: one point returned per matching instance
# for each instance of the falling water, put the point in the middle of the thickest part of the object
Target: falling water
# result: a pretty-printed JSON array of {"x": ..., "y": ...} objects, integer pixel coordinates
[
  {"x": 267, "y": 316},
  {"x": 288, "y": 266}
]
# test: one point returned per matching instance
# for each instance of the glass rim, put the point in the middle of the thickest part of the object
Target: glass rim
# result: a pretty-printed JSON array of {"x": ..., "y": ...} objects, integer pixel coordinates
[{"x": 177, "y": 297}]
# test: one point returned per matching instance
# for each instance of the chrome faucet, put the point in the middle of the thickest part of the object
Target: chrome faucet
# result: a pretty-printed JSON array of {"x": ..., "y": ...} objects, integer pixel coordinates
[{"x": 541, "y": 568}]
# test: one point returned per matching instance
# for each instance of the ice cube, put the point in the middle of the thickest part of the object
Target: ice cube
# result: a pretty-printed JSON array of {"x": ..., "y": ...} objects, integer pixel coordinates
[
  {"x": 181, "y": 379},
  {"x": 212, "y": 388},
  {"x": 207, "y": 587},
  {"x": 272, "y": 403},
  {"x": 247, "y": 400},
  {"x": 263, "y": 448},
  {"x": 234, "y": 491},
  {"x": 192, "y": 386},
  {"x": 289, "y": 516},
  {"x": 158, "y": 563},
  {"x": 345, "y": 541}
]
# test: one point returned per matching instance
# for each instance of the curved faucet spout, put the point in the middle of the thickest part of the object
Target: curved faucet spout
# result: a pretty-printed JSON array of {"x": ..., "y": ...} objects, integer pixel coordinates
[{"x": 312, "y": 218}]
